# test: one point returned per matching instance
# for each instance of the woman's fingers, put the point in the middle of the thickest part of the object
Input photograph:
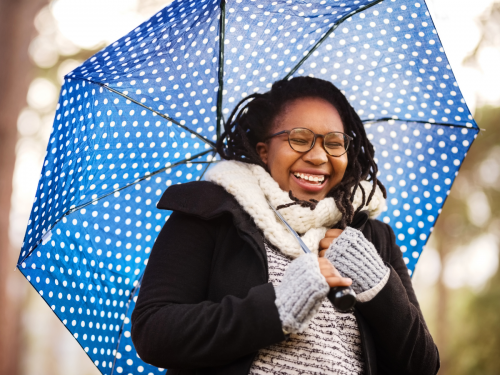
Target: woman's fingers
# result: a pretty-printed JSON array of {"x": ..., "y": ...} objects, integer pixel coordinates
[
  {"x": 325, "y": 243},
  {"x": 333, "y": 233},
  {"x": 338, "y": 281},
  {"x": 326, "y": 266},
  {"x": 331, "y": 275},
  {"x": 330, "y": 235}
]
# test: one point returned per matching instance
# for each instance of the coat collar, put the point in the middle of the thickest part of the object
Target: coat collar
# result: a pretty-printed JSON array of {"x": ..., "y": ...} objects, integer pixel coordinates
[{"x": 200, "y": 198}]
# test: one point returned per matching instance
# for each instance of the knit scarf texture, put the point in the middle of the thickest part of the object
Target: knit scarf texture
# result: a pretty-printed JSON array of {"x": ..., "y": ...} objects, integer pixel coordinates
[{"x": 251, "y": 184}]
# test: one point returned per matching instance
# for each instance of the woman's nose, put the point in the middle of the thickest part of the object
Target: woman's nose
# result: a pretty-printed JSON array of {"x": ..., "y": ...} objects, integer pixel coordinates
[{"x": 317, "y": 155}]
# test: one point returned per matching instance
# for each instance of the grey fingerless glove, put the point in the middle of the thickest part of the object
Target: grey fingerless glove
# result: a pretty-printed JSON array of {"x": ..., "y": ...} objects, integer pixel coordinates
[
  {"x": 356, "y": 257},
  {"x": 300, "y": 293}
]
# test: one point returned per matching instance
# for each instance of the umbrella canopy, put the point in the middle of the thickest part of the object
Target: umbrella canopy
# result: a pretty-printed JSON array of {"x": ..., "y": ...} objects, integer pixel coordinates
[{"x": 144, "y": 113}]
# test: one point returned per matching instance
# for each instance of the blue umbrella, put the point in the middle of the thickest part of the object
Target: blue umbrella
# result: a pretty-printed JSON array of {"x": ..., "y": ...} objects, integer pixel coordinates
[{"x": 144, "y": 113}]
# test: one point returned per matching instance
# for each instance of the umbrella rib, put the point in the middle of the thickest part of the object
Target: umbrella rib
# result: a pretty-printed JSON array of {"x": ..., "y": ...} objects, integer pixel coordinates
[
  {"x": 71, "y": 210},
  {"x": 138, "y": 180},
  {"x": 332, "y": 29},
  {"x": 222, "y": 34},
  {"x": 152, "y": 110},
  {"x": 208, "y": 165},
  {"x": 419, "y": 122},
  {"x": 132, "y": 293},
  {"x": 203, "y": 162}
]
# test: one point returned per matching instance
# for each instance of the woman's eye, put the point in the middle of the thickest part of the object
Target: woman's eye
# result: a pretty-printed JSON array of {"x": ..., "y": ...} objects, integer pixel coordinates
[
  {"x": 334, "y": 145},
  {"x": 299, "y": 141}
]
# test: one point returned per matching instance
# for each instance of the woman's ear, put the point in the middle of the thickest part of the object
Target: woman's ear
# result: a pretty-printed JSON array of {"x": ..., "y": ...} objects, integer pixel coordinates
[{"x": 262, "y": 150}]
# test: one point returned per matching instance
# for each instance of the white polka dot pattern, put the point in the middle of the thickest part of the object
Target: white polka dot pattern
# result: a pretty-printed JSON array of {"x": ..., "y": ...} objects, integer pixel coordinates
[
  {"x": 141, "y": 114},
  {"x": 417, "y": 163},
  {"x": 168, "y": 63}
]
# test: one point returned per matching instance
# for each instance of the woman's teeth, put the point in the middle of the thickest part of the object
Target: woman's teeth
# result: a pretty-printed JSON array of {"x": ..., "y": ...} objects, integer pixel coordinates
[{"x": 311, "y": 178}]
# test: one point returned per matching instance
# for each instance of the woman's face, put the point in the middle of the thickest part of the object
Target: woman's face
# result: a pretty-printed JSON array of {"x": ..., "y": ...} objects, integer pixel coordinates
[{"x": 292, "y": 169}]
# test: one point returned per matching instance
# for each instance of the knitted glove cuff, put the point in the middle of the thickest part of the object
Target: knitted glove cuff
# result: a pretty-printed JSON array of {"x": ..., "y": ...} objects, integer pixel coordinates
[
  {"x": 300, "y": 293},
  {"x": 356, "y": 257}
]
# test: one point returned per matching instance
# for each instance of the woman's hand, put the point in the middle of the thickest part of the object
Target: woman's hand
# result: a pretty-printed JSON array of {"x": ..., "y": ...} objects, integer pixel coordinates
[
  {"x": 331, "y": 275},
  {"x": 325, "y": 243}
]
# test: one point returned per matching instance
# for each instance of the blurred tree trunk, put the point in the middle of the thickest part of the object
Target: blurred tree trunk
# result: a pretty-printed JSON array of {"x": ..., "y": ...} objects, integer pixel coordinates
[{"x": 16, "y": 32}]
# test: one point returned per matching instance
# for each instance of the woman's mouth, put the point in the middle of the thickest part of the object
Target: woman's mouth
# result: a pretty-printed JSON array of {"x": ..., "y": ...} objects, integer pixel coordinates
[
  {"x": 314, "y": 179},
  {"x": 310, "y": 182}
]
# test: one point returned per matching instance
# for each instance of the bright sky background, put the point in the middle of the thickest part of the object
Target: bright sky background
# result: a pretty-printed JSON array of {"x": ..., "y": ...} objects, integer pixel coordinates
[
  {"x": 88, "y": 23},
  {"x": 457, "y": 23}
]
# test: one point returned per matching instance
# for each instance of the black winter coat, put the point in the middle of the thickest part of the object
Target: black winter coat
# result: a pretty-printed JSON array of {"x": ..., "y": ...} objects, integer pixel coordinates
[{"x": 205, "y": 305}]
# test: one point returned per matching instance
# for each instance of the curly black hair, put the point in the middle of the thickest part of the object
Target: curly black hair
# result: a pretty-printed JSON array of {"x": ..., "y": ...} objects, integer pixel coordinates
[{"x": 252, "y": 122}]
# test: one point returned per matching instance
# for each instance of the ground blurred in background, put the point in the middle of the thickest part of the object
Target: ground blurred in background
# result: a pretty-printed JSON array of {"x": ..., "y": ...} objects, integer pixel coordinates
[{"x": 457, "y": 280}]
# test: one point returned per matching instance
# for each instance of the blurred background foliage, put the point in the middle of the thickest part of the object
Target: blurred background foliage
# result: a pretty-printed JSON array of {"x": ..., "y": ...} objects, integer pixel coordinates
[
  {"x": 457, "y": 278},
  {"x": 467, "y": 328}
]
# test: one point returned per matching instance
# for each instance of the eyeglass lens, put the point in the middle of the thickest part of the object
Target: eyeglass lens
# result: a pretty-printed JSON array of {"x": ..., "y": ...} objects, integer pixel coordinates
[{"x": 334, "y": 143}]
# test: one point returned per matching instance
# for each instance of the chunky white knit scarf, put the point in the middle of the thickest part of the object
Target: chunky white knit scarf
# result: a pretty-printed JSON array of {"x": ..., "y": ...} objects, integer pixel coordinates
[{"x": 250, "y": 184}]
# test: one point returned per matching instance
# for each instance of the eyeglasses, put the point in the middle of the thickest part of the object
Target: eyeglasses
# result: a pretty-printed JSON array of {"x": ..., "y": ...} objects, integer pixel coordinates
[{"x": 303, "y": 140}]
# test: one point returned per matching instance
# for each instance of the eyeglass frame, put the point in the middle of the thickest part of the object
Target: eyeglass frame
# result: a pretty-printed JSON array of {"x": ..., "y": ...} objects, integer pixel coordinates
[{"x": 349, "y": 138}]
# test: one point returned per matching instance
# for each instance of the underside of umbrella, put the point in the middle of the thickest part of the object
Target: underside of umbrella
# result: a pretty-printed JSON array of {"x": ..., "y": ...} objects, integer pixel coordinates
[{"x": 144, "y": 113}]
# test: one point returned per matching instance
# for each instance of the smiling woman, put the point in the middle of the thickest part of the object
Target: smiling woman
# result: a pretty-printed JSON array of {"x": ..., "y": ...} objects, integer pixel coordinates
[
  {"x": 313, "y": 173},
  {"x": 227, "y": 289}
]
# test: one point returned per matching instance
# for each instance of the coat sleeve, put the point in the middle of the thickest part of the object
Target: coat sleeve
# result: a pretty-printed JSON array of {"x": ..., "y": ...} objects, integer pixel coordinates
[
  {"x": 174, "y": 325},
  {"x": 401, "y": 337}
]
